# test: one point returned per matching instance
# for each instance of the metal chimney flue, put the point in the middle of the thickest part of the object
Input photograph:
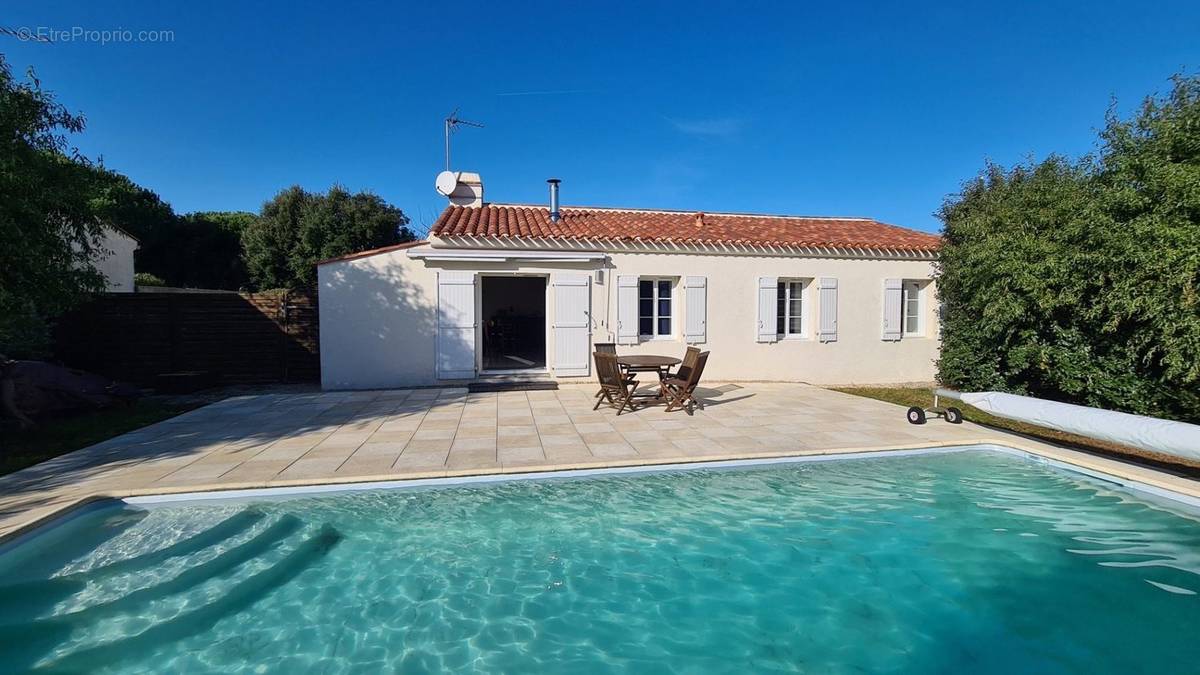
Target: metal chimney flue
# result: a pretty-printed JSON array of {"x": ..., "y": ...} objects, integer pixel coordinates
[{"x": 554, "y": 214}]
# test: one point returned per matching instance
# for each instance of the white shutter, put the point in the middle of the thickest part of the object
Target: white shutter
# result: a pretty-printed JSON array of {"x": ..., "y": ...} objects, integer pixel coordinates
[
  {"x": 828, "y": 290},
  {"x": 627, "y": 310},
  {"x": 695, "y": 309},
  {"x": 572, "y": 323},
  {"x": 892, "y": 307},
  {"x": 767, "y": 308},
  {"x": 456, "y": 326}
]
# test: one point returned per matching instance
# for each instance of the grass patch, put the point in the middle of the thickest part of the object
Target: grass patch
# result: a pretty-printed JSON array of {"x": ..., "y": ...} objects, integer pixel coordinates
[
  {"x": 59, "y": 435},
  {"x": 923, "y": 397}
]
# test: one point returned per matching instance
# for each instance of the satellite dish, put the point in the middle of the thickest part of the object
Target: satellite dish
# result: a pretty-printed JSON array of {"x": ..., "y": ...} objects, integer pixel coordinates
[{"x": 447, "y": 182}]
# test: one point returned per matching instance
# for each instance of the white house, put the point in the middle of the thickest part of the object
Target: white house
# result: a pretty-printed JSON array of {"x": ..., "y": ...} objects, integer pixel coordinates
[
  {"x": 114, "y": 259},
  {"x": 511, "y": 287}
]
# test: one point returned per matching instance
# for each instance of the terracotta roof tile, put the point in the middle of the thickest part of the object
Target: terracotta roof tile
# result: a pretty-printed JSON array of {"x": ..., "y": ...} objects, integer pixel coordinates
[{"x": 679, "y": 227}]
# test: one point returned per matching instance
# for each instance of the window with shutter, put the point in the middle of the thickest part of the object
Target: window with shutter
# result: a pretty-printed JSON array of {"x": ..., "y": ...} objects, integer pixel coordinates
[
  {"x": 828, "y": 301},
  {"x": 912, "y": 308},
  {"x": 655, "y": 308},
  {"x": 695, "y": 310},
  {"x": 893, "y": 309},
  {"x": 767, "y": 309},
  {"x": 789, "y": 303}
]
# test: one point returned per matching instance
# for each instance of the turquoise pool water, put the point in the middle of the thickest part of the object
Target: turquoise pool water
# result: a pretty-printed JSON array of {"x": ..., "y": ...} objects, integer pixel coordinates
[{"x": 972, "y": 561}]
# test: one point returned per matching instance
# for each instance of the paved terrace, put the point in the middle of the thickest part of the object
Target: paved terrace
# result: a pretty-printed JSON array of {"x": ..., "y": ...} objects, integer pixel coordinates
[{"x": 338, "y": 437}]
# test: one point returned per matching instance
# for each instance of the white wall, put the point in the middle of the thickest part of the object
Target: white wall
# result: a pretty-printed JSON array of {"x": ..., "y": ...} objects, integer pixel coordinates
[
  {"x": 378, "y": 317},
  {"x": 114, "y": 260}
]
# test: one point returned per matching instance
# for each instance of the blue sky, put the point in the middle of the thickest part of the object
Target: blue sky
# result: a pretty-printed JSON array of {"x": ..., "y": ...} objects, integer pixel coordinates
[{"x": 800, "y": 108}]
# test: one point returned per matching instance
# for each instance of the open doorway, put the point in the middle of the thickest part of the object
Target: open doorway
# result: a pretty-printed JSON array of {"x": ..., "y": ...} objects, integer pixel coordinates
[{"x": 513, "y": 310}]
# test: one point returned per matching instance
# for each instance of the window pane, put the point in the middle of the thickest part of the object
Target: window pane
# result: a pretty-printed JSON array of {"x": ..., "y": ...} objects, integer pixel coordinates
[
  {"x": 664, "y": 288},
  {"x": 797, "y": 299},
  {"x": 912, "y": 308},
  {"x": 912, "y": 323},
  {"x": 646, "y": 307},
  {"x": 664, "y": 326},
  {"x": 646, "y": 289},
  {"x": 780, "y": 307},
  {"x": 664, "y": 306},
  {"x": 646, "y": 326}
]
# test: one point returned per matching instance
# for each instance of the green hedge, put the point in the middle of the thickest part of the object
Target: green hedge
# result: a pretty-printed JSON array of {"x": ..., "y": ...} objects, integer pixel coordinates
[{"x": 1080, "y": 280}]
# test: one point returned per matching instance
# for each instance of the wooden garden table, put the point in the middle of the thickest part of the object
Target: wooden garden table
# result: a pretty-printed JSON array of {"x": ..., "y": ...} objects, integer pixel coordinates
[{"x": 652, "y": 363}]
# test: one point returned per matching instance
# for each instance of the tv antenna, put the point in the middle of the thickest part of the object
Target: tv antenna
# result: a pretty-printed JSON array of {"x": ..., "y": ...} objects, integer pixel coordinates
[{"x": 452, "y": 123}]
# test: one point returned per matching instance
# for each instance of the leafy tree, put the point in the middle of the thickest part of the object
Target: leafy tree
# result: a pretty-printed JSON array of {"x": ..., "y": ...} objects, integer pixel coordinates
[
  {"x": 1080, "y": 280},
  {"x": 48, "y": 228},
  {"x": 296, "y": 229},
  {"x": 147, "y": 279},
  {"x": 198, "y": 250},
  {"x": 143, "y": 214},
  {"x": 208, "y": 249},
  {"x": 268, "y": 243}
]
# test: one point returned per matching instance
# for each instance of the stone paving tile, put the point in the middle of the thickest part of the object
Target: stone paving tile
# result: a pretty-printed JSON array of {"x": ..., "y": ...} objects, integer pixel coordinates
[
  {"x": 471, "y": 444},
  {"x": 719, "y": 432},
  {"x": 593, "y": 427},
  {"x": 466, "y": 459},
  {"x": 424, "y": 434},
  {"x": 376, "y": 465},
  {"x": 210, "y": 470},
  {"x": 516, "y": 430},
  {"x": 475, "y": 432},
  {"x": 282, "y": 453},
  {"x": 567, "y": 454},
  {"x": 383, "y": 448},
  {"x": 424, "y": 445},
  {"x": 527, "y": 454},
  {"x": 521, "y": 441},
  {"x": 738, "y": 443},
  {"x": 603, "y": 438},
  {"x": 421, "y": 461},
  {"x": 704, "y": 446},
  {"x": 341, "y": 452},
  {"x": 311, "y": 468},
  {"x": 255, "y": 471},
  {"x": 608, "y": 450},
  {"x": 559, "y": 440},
  {"x": 400, "y": 437}
]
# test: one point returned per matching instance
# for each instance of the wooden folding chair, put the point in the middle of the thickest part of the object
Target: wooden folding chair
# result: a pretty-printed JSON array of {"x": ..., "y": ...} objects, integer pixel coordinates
[
  {"x": 679, "y": 392},
  {"x": 605, "y": 348},
  {"x": 615, "y": 386},
  {"x": 685, "y": 368}
]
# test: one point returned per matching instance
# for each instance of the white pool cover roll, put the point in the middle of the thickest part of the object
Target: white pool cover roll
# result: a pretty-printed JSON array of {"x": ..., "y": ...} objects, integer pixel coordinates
[{"x": 1148, "y": 433}]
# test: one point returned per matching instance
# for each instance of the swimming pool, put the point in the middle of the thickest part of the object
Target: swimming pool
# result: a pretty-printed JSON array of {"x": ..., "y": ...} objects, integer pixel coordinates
[{"x": 953, "y": 561}]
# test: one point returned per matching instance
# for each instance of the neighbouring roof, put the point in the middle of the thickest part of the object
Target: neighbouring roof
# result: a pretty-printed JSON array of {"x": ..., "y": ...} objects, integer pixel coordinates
[
  {"x": 678, "y": 227},
  {"x": 374, "y": 251}
]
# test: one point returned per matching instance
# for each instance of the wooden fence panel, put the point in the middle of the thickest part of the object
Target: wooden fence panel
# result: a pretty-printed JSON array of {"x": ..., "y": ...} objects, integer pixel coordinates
[{"x": 239, "y": 338}]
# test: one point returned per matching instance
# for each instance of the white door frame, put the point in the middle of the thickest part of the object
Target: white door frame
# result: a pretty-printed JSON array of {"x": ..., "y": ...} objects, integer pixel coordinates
[{"x": 479, "y": 324}]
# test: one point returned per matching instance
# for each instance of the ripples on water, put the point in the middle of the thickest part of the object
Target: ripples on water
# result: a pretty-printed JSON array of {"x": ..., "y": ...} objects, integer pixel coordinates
[{"x": 969, "y": 561}]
